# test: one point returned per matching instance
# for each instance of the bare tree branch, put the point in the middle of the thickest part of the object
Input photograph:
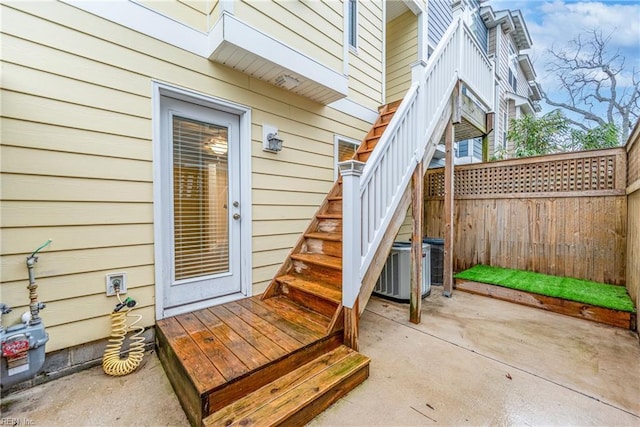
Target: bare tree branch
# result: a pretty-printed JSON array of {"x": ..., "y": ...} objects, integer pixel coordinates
[{"x": 591, "y": 79}]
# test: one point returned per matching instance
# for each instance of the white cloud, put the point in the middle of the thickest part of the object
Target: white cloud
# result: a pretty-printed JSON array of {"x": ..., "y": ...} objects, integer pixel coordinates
[
  {"x": 562, "y": 21},
  {"x": 554, "y": 23}
]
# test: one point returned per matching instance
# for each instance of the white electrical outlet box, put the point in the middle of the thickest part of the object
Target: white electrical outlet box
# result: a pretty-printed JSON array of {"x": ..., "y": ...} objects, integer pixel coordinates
[{"x": 114, "y": 280}]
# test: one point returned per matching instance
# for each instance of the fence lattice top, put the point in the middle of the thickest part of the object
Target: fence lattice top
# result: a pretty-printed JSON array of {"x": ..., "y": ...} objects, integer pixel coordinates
[{"x": 591, "y": 171}]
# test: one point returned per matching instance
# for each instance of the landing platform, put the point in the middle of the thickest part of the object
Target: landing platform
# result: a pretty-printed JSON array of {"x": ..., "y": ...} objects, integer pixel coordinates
[{"x": 217, "y": 355}]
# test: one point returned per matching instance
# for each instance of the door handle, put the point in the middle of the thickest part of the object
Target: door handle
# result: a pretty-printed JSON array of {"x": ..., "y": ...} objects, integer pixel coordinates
[{"x": 236, "y": 216}]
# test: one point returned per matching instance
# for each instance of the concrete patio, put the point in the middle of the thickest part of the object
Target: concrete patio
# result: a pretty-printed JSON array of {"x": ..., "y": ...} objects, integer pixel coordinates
[{"x": 472, "y": 361}]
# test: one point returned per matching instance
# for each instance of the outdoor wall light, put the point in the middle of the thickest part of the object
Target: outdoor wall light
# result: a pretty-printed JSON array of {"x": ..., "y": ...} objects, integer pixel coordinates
[
  {"x": 271, "y": 141},
  {"x": 275, "y": 143}
]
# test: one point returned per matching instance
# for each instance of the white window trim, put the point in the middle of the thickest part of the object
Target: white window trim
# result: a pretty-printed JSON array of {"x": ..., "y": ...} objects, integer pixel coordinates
[
  {"x": 160, "y": 89},
  {"x": 336, "y": 142},
  {"x": 347, "y": 26}
]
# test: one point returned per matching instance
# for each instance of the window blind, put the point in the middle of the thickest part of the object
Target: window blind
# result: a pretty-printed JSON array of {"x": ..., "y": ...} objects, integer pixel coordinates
[{"x": 200, "y": 198}]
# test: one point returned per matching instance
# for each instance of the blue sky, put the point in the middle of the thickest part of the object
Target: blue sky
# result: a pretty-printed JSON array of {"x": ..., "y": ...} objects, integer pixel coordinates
[{"x": 555, "y": 22}]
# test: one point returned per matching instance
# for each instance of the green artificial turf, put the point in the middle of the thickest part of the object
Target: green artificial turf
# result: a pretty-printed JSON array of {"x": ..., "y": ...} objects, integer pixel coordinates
[{"x": 585, "y": 291}]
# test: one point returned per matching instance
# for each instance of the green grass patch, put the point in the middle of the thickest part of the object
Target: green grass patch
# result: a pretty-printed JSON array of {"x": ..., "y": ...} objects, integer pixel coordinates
[{"x": 585, "y": 291}]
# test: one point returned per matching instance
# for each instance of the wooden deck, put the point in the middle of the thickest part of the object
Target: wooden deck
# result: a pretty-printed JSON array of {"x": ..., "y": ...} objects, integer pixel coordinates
[{"x": 216, "y": 356}]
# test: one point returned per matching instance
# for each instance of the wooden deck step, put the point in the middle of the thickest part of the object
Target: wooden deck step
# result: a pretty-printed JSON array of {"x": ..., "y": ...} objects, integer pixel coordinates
[
  {"x": 320, "y": 267},
  {"x": 370, "y": 142},
  {"x": 297, "y": 314},
  {"x": 334, "y": 204},
  {"x": 319, "y": 259},
  {"x": 297, "y": 397},
  {"x": 363, "y": 155},
  {"x": 387, "y": 116},
  {"x": 333, "y": 237},
  {"x": 323, "y": 298},
  {"x": 324, "y": 243},
  {"x": 379, "y": 128},
  {"x": 215, "y": 356},
  {"x": 330, "y": 222},
  {"x": 322, "y": 290}
]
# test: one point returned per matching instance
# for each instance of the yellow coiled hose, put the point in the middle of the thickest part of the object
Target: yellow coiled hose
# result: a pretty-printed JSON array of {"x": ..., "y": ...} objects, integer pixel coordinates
[{"x": 112, "y": 363}]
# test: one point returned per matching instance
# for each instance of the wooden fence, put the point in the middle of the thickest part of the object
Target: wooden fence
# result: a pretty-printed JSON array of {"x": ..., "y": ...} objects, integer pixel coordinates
[
  {"x": 633, "y": 215},
  {"x": 563, "y": 214}
]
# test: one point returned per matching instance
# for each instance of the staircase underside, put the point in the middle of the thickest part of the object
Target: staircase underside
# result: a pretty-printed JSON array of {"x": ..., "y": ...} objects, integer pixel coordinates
[{"x": 217, "y": 356}]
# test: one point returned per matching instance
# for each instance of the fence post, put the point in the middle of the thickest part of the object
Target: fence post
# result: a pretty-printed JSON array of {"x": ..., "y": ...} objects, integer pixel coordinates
[{"x": 351, "y": 247}]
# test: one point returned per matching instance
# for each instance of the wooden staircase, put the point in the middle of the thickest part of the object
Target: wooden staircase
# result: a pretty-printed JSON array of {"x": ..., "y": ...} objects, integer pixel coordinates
[
  {"x": 275, "y": 359},
  {"x": 312, "y": 274}
]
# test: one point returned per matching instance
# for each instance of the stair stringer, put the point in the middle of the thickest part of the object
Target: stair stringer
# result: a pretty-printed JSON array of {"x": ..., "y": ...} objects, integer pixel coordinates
[{"x": 378, "y": 262}]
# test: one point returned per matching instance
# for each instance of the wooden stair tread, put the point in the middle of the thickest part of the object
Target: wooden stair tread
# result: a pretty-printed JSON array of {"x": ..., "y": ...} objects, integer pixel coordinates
[
  {"x": 329, "y": 216},
  {"x": 298, "y": 314},
  {"x": 293, "y": 394},
  {"x": 319, "y": 259},
  {"x": 317, "y": 288},
  {"x": 334, "y": 237}
]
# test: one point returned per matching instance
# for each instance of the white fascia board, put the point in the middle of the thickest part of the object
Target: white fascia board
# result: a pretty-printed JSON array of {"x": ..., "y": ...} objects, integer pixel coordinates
[
  {"x": 519, "y": 100},
  {"x": 354, "y": 109},
  {"x": 246, "y": 37},
  {"x": 147, "y": 21},
  {"x": 415, "y": 6},
  {"x": 527, "y": 66}
]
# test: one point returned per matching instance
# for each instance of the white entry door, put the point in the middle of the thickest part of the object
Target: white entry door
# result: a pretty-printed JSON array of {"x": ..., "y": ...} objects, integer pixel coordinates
[{"x": 201, "y": 212}]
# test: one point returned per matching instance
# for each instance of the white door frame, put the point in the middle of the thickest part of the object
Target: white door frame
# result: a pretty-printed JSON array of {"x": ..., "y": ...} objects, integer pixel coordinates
[{"x": 160, "y": 197}]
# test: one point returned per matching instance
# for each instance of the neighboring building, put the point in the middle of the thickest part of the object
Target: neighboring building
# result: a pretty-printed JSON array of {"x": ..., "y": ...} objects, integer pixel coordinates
[
  {"x": 517, "y": 92},
  {"x": 505, "y": 37},
  {"x": 96, "y": 94}
]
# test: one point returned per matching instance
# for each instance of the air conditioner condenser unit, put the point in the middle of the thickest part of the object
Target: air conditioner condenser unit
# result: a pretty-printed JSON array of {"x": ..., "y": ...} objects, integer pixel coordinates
[{"x": 395, "y": 280}]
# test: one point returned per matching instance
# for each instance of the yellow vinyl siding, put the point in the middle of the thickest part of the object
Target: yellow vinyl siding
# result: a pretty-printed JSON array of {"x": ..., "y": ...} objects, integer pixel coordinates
[
  {"x": 406, "y": 229},
  {"x": 315, "y": 29},
  {"x": 77, "y": 161},
  {"x": 65, "y": 287},
  {"x": 365, "y": 65},
  {"x": 29, "y": 187},
  {"x": 402, "y": 51},
  {"x": 69, "y": 334},
  {"x": 189, "y": 12},
  {"x": 29, "y": 134},
  {"x": 213, "y": 13}
]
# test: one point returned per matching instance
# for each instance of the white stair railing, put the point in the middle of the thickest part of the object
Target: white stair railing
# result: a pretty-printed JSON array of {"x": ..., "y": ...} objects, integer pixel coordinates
[{"x": 372, "y": 191}]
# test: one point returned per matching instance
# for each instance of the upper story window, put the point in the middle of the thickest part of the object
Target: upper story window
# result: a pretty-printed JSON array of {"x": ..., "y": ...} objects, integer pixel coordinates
[{"x": 352, "y": 24}]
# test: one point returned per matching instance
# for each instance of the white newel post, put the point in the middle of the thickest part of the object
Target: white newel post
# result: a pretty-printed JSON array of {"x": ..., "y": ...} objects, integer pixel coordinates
[{"x": 351, "y": 171}]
